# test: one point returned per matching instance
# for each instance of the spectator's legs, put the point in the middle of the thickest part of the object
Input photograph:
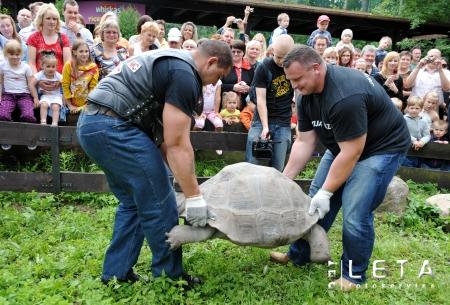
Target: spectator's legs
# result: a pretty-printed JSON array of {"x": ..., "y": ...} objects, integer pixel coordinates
[
  {"x": 253, "y": 135},
  {"x": 7, "y": 105},
  {"x": 284, "y": 136},
  {"x": 26, "y": 106},
  {"x": 43, "y": 110}
]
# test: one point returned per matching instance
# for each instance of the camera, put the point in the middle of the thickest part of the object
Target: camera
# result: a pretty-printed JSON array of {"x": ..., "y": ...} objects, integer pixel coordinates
[
  {"x": 429, "y": 59},
  {"x": 262, "y": 149}
]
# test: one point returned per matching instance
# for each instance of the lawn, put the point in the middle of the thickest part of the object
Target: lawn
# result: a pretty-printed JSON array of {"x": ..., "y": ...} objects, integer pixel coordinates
[{"x": 52, "y": 249}]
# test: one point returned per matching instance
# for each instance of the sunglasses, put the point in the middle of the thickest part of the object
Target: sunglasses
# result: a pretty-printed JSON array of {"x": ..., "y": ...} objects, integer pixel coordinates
[{"x": 48, "y": 53}]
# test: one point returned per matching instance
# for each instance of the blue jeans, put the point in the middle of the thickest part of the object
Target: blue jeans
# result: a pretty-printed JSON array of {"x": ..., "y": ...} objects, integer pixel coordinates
[
  {"x": 279, "y": 134},
  {"x": 137, "y": 176},
  {"x": 359, "y": 197}
]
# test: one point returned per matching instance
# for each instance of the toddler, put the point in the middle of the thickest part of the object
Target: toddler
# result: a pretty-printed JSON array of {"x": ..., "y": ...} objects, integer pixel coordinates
[
  {"x": 230, "y": 112},
  {"x": 440, "y": 135},
  {"x": 330, "y": 55},
  {"x": 283, "y": 23},
  {"x": 322, "y": 25},
  {"x": 16, "y": 88},
  {"x": 418, "y": 129},
  {"x": 79, "y": 77},
  {"x": 360, "y": 65},
  {"x": 211, "y": 107},
  {"x": 430, "y": 110},
  {"x": 50, "y": 102},
  {"x": 346, "y": 40}
]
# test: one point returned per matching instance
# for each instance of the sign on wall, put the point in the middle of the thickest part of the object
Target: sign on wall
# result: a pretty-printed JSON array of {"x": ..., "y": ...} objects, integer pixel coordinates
[{"x": 92, "y": 11}]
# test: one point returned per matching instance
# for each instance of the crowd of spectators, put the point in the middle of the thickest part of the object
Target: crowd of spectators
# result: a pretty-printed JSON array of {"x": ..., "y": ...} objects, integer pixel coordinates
[{"x": 42, "y": 34}]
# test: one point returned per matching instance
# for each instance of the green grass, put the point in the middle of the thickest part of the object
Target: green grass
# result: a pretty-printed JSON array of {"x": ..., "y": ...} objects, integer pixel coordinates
[{"x": 52, "y": 249}]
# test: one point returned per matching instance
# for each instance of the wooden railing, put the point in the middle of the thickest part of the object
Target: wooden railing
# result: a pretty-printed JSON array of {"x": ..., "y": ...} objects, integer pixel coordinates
[{"x": 56, "y": 138}]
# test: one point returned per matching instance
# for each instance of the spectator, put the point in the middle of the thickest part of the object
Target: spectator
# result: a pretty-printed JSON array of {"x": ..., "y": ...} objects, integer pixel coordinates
[
  {"x": 23, "y": 19},
  {"x": 211, "y": 107},
  {"x": 16, "y": 90},
  {"x": 189, "y": 45},
  {"x": 174, "y": 38},
  {"x": 136, "y": 38},
  {"x": 430, "y": 108},
  {"x": 230, "y": 108},
  {"x": 331, "y": 56},
  {"x": 247, "y": 115},
  {"x": 416, "y": 53},
  {"x": 188, "y": 31},
  {"x": 110, "y": 15},
  {"x": 398, "y": 103},
  {"x": 283, "y": 23},
  {"x": 47, "y": 39},
  {"x": 27, "y": 31},
  {"x": 345, "y": 57},
  {"x": 439, "y": 135},
  {"x": 274, "y": 93},
  {"x": 50, "y": 101},
  {"x": 360, "y": 65},
  {"x": 241, "y": 76},
  {"x": 71, "y": 26},
  {"x": 253, "y": 53},
  {"x": 404, "y": 71},
  {"x": 262, "y": 40},
  {"x": 107, "y": 54},
  {"x": 388, "y": 76},
  {"x": 356, "y": 54},
  {"x": 162, "y": 34},
  {"x": 368, "y": 53},
  {"x": 79, "y": 77},
  {"x": 428, "y": 76},
  {"x": 384, "y": 45},
  {"x": 346, "y": 40},
  {"x": 8, "y": 31},
  {"x": 322, "y": 25},
  {"x": 227, "y": 35},
  {"x": 148, "y": 37},
  {"x": 418, "y": 129},
  {"x": 320, "y": 43}
]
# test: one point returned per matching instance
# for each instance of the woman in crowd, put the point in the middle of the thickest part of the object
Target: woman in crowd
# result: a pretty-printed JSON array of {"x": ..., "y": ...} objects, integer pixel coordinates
[
  {"x": 262, "y": 40},
  {"x": 345, "y": 55},
  {"x": 253, "y": 53},
  {"x": 8, "y": 31},
  {"x": 404, "y": 70},
  {"x": 163, "y": 44},
  {"x": 389, "y": 78},
  {"x": 107, "y": 54},
  {"x": 241, "y": 75},
  {"x": 47, "y": 39},
  {"x": 189, "y": 31},
  {"x": 148, "y": 38}
]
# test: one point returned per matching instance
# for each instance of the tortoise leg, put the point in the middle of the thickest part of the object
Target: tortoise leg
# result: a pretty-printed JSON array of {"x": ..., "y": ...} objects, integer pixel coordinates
[
  {"x": 318, "y": 242},
  {"x": 183, "y": 234}
]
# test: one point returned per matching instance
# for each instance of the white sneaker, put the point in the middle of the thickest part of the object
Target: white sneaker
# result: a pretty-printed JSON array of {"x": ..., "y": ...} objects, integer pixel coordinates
[
  {"x": 6, "y": 146},
  {"x": 219, "y": 152},
  {"x": 32, "y": 147}
]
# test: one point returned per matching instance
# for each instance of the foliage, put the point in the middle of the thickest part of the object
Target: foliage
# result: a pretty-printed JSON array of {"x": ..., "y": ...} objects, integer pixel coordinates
[
  {"x": 4, "y": 10},
  {"x": 128, "y": 19},
  {"x": 425, "y": 45}
]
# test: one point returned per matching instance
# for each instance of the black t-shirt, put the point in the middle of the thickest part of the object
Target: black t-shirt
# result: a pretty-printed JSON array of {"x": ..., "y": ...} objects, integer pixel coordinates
[
  {"x": 350, "y": 105},
  {"x": 279, "y": 92}
]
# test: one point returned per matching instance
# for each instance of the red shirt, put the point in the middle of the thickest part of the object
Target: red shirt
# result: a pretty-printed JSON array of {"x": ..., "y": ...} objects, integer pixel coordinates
[{"x": 37, "y": 40}]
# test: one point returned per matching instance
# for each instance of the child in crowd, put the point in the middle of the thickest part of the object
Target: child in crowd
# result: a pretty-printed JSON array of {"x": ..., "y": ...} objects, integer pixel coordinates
[
  {"x": 230, "y": 112},
  {"x": 383, "y": 47},
  {"x": 346, "y": 40},
  {"x": 246, "y": 116},
  {"x": 283, "y": 23},
  {"x": 147, "y": 39},
  {"x": 330, "y": 55},
  {"x": 211, "y": 107},
  {"x": 418, "y": 129},
  {"x": 360, "y": 65},
  {"x": 189, "y": 45},
  {"x": 322, "y": 25},
  {"x": 79, "y": 77},
  {"x": 440, "y": 135},
  {"x": 356, "y": 54},
  {"x": 397, "y": 103},
  {"x": 16, "y": 88},
  {"x": 430, "y": 111},
  {"x": 50, "y": 101}
]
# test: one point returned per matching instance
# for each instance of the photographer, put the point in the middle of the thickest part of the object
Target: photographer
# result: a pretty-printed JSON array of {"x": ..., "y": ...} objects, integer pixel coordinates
[
  {"x": 274, "y": 93},
  {"x": 429, "y": 75}
]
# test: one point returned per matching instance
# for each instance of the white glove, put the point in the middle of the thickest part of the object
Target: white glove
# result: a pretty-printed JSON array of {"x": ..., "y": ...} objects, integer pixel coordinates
[
  {"x": 196, "y": 211},
  {"x": 320, "y": 203}
]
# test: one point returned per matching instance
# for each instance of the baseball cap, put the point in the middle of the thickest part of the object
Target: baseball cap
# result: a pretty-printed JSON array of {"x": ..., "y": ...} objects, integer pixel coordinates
[
  {"x": 174, "y": 35},
  {"x": 323, "y": 18}
]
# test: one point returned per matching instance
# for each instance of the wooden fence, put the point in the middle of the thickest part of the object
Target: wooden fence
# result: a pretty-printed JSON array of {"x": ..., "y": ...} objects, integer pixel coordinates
[{"x": 56, "y": 138}]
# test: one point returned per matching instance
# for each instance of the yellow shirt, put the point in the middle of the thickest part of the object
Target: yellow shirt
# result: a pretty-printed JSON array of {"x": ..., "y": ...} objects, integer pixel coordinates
[{"x": 77, "y": 87}]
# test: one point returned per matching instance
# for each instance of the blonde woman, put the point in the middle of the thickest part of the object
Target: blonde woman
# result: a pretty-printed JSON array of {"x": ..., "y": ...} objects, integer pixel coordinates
[
  {"x": 389, "y": 78},
  {"x": 262, "y": 40},
  {"x": 148, "y": 38}
]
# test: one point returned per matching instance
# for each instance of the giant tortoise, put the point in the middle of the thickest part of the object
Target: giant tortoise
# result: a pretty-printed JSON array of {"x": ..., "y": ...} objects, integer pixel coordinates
[{"x": 254, "y": 205}]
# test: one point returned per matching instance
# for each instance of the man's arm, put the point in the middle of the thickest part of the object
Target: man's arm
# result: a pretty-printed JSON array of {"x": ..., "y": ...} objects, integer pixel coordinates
[
  {"x": 261, "y": 105},
  {"x": 178, "y": 148},
  {"x": 301, "y": 152},
  {"x": 343, "y": 164}
]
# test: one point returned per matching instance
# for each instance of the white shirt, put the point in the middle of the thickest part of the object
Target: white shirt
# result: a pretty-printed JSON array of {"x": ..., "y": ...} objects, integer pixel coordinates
[
  {"x": 427, "y": 81},
  {"x": 15, "y": 79}
]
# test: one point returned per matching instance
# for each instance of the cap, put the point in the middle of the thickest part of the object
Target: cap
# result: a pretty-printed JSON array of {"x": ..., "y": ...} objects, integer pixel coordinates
[
  {"x": 323, "y": 18},
  {"x": 174, "y": 35}
]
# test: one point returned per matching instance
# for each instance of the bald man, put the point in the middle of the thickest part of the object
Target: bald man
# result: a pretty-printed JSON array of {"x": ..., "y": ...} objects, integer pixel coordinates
[{"x": 274, "y": 94}]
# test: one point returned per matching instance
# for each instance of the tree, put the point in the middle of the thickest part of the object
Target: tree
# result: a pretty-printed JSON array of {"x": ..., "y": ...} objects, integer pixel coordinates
[{"x": 128, "y": 19}]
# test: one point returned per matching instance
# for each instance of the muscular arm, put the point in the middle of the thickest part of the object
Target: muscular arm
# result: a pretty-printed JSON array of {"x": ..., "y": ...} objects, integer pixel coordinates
[
  {"x": 178, "y": 148},
  {"x": 343, "y": 164},
  {"x": 301, "y": 152},
  {"x": 261, "y": 105}
]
